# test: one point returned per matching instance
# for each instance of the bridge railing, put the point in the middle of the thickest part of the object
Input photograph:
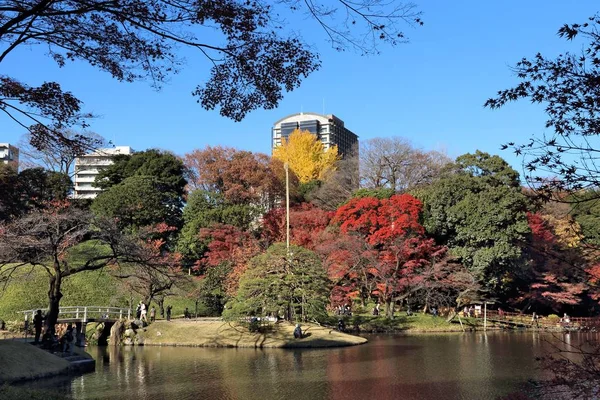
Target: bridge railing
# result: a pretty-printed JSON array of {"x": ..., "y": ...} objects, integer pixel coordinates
[
  {"x": 85, "y": 313},
  {"x": 543, "y": 321}
]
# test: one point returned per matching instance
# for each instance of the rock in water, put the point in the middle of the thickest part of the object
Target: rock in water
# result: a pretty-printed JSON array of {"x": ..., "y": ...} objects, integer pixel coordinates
[{"x": 116, "y": 333}]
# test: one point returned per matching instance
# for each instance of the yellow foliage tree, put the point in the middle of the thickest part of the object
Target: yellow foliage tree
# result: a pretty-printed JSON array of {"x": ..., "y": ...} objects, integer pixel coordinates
[
  {"x": 305, "y": 155},
  {"x": 567, "y": 231}
]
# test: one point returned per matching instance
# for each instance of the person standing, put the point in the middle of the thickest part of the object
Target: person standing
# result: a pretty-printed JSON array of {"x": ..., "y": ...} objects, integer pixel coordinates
[
  {"x": 143, "y": 313},
  {"x": 152, "y": 314},
  {"x": 169, "y": 313},
  {"x": 67, "y": 340},
  {"x": 37, "y": 324}
]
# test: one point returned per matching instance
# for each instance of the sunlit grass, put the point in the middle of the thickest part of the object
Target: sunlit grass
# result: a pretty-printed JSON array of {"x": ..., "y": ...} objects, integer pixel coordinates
[{"x": 226, "y": 334}]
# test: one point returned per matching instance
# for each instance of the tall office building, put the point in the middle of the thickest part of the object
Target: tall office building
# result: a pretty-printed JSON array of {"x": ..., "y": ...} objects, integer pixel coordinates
[
  {"x": 87, "y": 168},
  {"x": 329, "y": 129},
  {"x": 9, "y": 155}
]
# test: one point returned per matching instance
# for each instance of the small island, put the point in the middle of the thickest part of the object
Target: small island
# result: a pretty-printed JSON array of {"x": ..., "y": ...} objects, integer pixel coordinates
[{"x": 227, "y": 334}]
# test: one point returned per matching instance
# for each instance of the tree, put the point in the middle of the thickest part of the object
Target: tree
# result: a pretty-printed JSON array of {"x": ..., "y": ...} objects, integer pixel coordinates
[
  {"x": 139, "y": 201},
  {"x": 30, "y": 189},
  {"x": 306, "y": 224},
  {"x": 239, "y": 177},
  {"x": 443, "y": 282},
  {"x": 277, "y": 283},
  {"x": 205, "y": 209},
  {"x": 165, "y": 168},
  {"x": 380, "y": 221},
  {"x": 58, "y": 156},
  {"x": 479, "y": 212},
  {"x": 44, "y": 238},
  {"x": 555, "y": 278},
  {"x": 255, "y": 62},
  {"x": 306, "y": 155},
  {"x": 229, "y": 245},
  {"x": 349, "y": 260},
  {"x": 565, "y": 159},
  {"x": 157, "y": 273},
  {"x": 10, "y": 201},
  {"x": 392, "y": 226},
  {"x": 38, "y": 186},
  {"x": 338, "y": 184},
  {"x": 395, "y": 164},
  {"x": 585, "y": 209}
]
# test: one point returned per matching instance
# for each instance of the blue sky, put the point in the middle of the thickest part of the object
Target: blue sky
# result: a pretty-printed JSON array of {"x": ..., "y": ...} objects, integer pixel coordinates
[{"x": 430, "y": 91}]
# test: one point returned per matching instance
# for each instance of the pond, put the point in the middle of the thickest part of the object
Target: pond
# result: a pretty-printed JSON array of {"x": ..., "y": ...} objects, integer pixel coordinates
[{"x": 428, "y": 366}]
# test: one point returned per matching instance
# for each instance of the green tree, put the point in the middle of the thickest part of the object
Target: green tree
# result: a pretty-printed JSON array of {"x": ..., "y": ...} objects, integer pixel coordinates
[
  {"x": 277, "y": 283},
  {"x": 164, "y": 167},
  {"x": 37, "y": 185},
  {"x": 30, "y": 189},
  {"x": 10, "y": 204},
  {"x": 139, "y": 201},
  {"x": 479, "y": 212},
  {"x": 586, "y": 211},
  {"x": 204, "y": 209},
  {"x": 211, "y": 290}
]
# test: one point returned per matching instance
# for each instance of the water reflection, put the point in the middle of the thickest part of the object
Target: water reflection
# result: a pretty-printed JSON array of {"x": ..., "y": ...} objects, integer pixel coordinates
[{"x": 449, "y": 366}]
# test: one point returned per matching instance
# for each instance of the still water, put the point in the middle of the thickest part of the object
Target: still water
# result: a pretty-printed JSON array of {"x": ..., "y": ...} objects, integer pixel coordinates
[{"x": 445, "y": 366}]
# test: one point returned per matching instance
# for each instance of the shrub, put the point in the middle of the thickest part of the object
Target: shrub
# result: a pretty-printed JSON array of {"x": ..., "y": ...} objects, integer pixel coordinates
[{"x": 553, "y": 318}]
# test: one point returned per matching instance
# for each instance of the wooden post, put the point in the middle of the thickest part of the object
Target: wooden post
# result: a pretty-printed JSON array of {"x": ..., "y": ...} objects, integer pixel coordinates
[
  {"x": 84, "y": 314},
  {"x": 485, "y": 315},
  {"x": 459, "y": 320},
  {"x": 286, "y": 166}
]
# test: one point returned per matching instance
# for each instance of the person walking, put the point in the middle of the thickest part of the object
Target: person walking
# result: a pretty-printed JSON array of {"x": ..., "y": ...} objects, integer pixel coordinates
[
  {"x": 37, "y": 324},
  {"x": 169, "y": 308}
]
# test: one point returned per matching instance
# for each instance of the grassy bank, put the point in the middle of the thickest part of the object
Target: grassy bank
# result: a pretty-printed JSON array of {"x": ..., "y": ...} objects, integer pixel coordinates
[
  {"x": 29, "y": 290},
  {"x": 225, "y": 334},
  {"x": 21, "y": 361},
  {"x": 416, "y": 323}
]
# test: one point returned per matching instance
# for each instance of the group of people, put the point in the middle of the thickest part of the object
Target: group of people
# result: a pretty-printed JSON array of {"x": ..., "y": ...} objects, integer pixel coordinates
[
  {"x": 343, "y": 310},
  {"x": 469, "y": 311},
  {"x": 141, "y": 312},
  {"x": 49, "y": 340}
]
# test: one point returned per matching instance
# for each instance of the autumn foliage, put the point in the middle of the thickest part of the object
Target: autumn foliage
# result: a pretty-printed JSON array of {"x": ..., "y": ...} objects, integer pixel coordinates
[
  {"x": 306, "y": 155},
  {"x": 228, "y": 244}
]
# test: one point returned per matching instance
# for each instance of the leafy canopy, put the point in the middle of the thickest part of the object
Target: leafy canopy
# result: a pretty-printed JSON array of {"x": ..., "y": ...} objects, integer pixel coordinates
[
  {"x": 306, "y": 155},
  {"x": 253, "y": 59},
  {"x": 567, "y": 86},
  {"x": 278, "y": 283},
  {"x": 480, "y": 213}
]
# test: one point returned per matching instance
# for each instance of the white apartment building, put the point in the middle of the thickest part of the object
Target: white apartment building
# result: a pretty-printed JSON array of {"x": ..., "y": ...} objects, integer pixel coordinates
[
  {"x": 329, "y": 129},
  {"x": 87, "y": 168},
  {"x": 9, "y": 155}
]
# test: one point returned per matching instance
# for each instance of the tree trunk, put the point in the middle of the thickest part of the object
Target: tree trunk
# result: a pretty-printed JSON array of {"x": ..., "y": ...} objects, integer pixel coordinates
[
  {"x": 389, "y": 308},
  {"x": 54, "y": 296},
  {"x": 161, "y": 306}
]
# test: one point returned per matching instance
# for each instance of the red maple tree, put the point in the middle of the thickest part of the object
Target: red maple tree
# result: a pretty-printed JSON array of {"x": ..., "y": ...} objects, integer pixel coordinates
[
  {"x": 306, "y": 224},
  {"x": 553, "y": 280},
  {"x": 392, "y": 227},
  {"x": 228, "y": 244}
]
